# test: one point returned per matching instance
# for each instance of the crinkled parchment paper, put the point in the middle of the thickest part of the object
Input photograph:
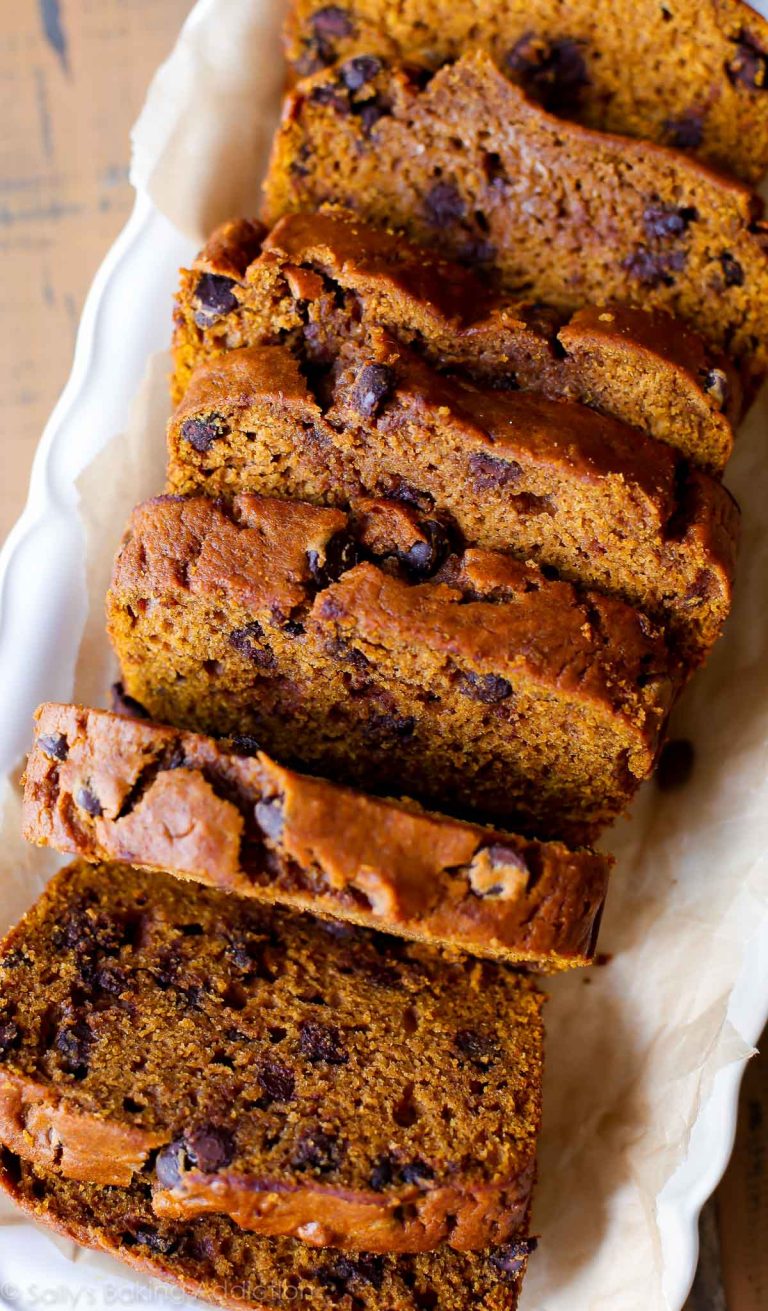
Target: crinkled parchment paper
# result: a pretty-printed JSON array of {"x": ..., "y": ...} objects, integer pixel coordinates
[{"x": 633, "y": 1046}]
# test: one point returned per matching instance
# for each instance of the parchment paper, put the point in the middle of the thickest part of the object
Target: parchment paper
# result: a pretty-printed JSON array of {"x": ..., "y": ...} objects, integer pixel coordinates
[{"x": 632, "y": 1046}]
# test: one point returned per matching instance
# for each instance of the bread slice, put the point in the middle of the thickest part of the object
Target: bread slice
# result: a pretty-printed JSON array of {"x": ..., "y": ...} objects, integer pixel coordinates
[
  {"x": 104, "y": 787},
  {"x": 210, "y": 1258},
  {"x": 550, "y": 481},
  {"x": 318, "y": 280},
  {"x": 306, "y": 1079},
  {"x": 470, "y": 165},
  {"x": 485, "y": 689},
  {"x": 688, "y": 74}
]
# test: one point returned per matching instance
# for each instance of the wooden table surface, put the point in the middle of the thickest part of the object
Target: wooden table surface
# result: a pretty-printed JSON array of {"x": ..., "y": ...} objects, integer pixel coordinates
[{"x": 72, "y": 78}]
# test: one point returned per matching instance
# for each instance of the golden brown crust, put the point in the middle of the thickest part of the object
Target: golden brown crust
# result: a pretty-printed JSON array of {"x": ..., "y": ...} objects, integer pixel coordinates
[
  {"x": 253, "y": 1081},
  {"x": 550, "y": 481},
  {"x": 654, "y": 229},
  {"x": 388, "y": 682},
  {"x": 184, "y": 803},
  {"x": 323, "y": 278},
  {"x": 692, "y": 75}
]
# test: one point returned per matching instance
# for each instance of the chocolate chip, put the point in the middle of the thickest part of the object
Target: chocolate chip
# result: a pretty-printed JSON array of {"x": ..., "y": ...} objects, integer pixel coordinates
[
  {"x": 339, "y": 556},
  {"x": 322, "y": 1043},
  {"x": 715, "y": 384},
  {"x": 373, "y": 385},
  {"x": 9, "y": 1036},
  {"x": 370, "y": 112},
  {"x": 733, "y": 273},
  {"x": 382, "y": 1174},
  {"x": 73, "y": 1042},
  {"x": 511, "y": 1258},
  {"x": 478, "y": 1048},
  {"x": 687, "y": 131},
  {"x": 553, "y": 72},
  {"x": 416, "y": 1172},
  {"x": 332, "y": 97},
  {"x": 88, "y": 801},
  {"x": 444, "y": 205},
  {"x": 214, "y": 298},
  {"x": 210, "y": 1147},
  {"x": 488, "y": 688},
  {"x": 748, "y": 65},
  {"x": 128, "y": 706},
  {"x": 202, "y": 433},
  {"x": 270, "y": 817},
  {"x": 55, "y": 745},
  {"x": 277, "y": 1082},
  {"x": 245, "y": 642},
  {"x": 332, "y": 21},
  {"x": 244, "y": 744},
  {"x": 110, "y": 978},
  {"x": 357, "y": 72},
  {"x": 168, "y": 1165},
  {"x": 401, "y": 727},
  {"x": 654, "y": 268},
  {"x": 425, "y": 557},
  {"x": 161, "y": 1244},
  {"x": 491, "y": 471},
  {"x": 344, "y": 1272},
  {"x": 664, "y": 221},
  {"x": 317, "y": 1150},
  {"x": 675, "y": 765}
]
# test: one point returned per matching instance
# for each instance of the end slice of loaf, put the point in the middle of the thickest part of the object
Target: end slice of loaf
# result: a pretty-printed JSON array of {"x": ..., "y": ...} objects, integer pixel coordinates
[
  {"x": 549, "y": 481},
  {"x": 563, "y": 214},
  {"x": 318, "y": 280},
  {"x": 211, "y": 1258},
  {"x": 687, "y": 74},
  {"x": 104, "y": 787},
  {"x": 486, "y": 689},
  {"x": 303, "y": 1079}
]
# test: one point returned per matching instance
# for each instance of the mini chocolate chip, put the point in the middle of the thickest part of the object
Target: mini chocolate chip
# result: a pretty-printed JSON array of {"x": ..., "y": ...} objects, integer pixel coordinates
[
  {"x": 491, "y": 471},
  {"x": 9, "y": 1036},
  {"x": 444, "y": 205},
  {"x": 357, "y": 72},
  {"x": 416, "y": 1172},
  {"x": 339, "y": 556},
  {"x": 488, "y": 688},
  {"x": 322, "y": 1043},
  {"x": 162, "y": 1244},
  {"x": 511, "y": 1258},
  {"x": 73, "y": 1042},
  {"x": 374, "y": 384},
  {"x": 401, "y": 727},
  {"x": 128, "y": 706},
  {"x": 88, "y": 801},
  {"x": 55, "y": 745},
  {"x": 210, "y": 1147},
  {"x": 675, "y": 765},
  {"x": 214, "y": 297},
  {"x": 553, "y": 72},
  {"x": 244, "y": 744},
  {"x": 370, "y": 112},
  {"x": 425, "y": 557},
  {"x": 382, "y": 1173},
  {"x": 110, "y": 978},
  {"x": 244, "y": 640},
  {"x": 663, "y": 221},
  {"x": 277, "y": 1082},
  {"x": 749, "y": 64},
  {"x": 168, "y": 1165},
  {"x": 733, "y": 273},
  {"x": 332, "y": 97},
  {"x": 270, "y": 817},
  {"x": 479, "y": 1048},
  {"x": 317, "y": 1150},
  {"x": 345, "y": 1272},
  {"x": 202, "y": 433},
  {"x": 332, "y": 20},
  {"x": 687, "y": 131},
  {"x": 715, "y": 384},
  {"x": 654, "y": 268}
]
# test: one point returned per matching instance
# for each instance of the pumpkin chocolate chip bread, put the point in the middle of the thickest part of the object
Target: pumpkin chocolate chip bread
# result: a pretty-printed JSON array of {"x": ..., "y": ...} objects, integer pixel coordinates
[
  {"x": 305, "y": 1078},
  {"x": 318, "y": 280},
  {"x": 211, "y": 1258},
  {"x": 690, "y": 74},
  {"x": 105, "y": 787},
  {"x": 550, "y": 481},
  {"x": 469, "y": 164},
  {"x": 475, "y": 684}
]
